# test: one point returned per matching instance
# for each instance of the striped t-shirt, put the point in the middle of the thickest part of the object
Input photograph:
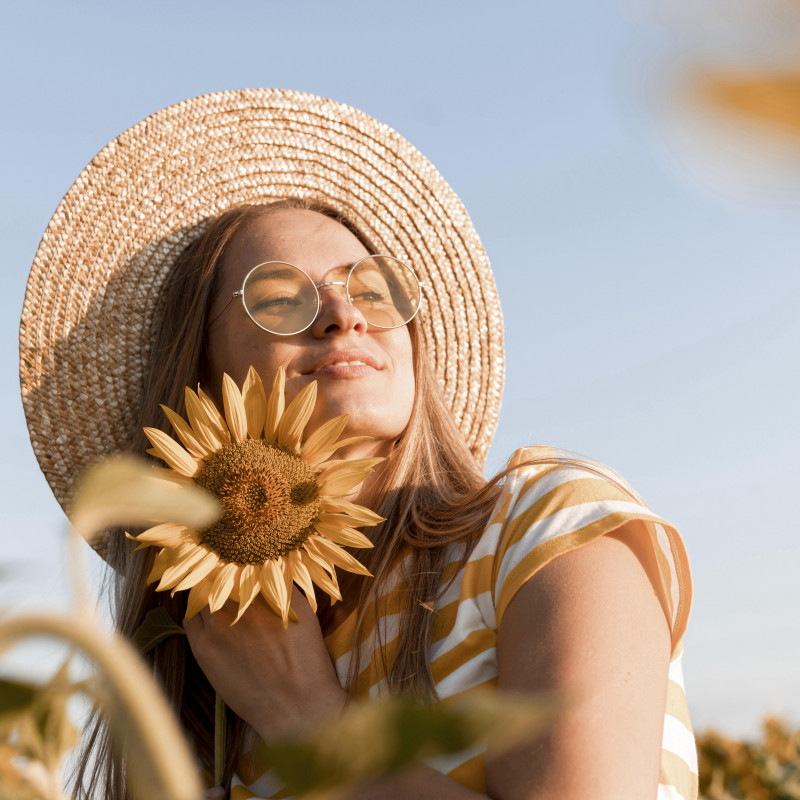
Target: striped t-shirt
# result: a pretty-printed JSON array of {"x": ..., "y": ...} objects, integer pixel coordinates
[{"x": 543, "y": 511}]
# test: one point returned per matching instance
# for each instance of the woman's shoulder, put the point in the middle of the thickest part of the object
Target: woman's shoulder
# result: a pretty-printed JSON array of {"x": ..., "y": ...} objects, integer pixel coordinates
[
  {"x": 552, "y": 502},
  {"x": 546, "y": 492},
  {"x": 551, "y": 467}
]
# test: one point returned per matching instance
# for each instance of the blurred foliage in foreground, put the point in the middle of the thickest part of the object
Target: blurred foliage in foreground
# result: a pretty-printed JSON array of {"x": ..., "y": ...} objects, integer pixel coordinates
[
  {"x": 372, "y": 741},
  {"x": 365, "y": 743},
  {"x": 768, "y": 769}
]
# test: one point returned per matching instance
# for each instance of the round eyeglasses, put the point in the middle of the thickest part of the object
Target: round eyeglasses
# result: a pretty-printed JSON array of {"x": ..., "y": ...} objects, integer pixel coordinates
[{"x": 282, "y": 299}]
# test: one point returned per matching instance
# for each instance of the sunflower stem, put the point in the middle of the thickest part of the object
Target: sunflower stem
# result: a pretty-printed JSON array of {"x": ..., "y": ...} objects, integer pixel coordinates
[{"x": 219, "y": 740}]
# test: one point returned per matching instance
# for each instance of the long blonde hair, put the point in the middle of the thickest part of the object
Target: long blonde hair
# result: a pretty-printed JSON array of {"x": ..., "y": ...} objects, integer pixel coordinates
[{"x": 431, "y": 492}]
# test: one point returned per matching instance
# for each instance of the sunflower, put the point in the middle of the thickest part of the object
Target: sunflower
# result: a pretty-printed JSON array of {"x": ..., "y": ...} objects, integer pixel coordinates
[{"x": 284, "y": 519}]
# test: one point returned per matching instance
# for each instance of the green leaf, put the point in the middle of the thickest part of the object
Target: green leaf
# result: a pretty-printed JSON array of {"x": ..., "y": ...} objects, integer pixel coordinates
[
  {"x": 15, "y": 697},
  {"x": 372, "y": 741},
  {"x": 37, "y": 721},
  {"x": 158, "y": 625},
  {"x": 17, "y": 709}
]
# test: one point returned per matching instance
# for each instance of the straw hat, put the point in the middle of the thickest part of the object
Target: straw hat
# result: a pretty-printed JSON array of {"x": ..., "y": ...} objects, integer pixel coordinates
[{"x": 87, "y": 320}]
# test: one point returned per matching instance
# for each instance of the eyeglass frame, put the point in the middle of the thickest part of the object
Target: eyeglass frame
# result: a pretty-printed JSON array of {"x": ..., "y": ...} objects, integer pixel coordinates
[{"x": 317, "y": 287}]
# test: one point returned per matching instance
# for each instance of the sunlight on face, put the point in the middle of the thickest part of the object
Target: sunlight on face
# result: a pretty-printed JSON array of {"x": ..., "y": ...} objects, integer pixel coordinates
[{"x": 361, "y": 370}]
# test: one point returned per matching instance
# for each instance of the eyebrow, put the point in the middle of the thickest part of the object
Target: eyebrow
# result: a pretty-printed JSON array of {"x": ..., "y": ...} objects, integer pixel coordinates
[
  {"x": 279, "y": 272},
  {"x": 283, "y": 272},
  {"x": 346, "y": 267}
]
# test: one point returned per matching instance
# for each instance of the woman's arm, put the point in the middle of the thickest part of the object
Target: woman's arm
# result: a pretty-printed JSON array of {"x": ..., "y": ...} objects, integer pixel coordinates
[{"x": 589, "y": 623}]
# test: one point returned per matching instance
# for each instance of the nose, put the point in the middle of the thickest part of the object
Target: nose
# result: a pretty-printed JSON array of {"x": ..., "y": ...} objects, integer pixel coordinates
[{"x": 336, "y": 313}]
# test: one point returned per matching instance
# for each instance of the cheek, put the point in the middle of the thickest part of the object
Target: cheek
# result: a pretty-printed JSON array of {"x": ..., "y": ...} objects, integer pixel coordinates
[
  {"x": 234, "y": 350},
  {"x": 406, "y": 383}
]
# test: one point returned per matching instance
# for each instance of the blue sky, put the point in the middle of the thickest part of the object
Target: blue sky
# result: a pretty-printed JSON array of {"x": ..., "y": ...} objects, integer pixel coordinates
[{"x": 651, "y": 315}]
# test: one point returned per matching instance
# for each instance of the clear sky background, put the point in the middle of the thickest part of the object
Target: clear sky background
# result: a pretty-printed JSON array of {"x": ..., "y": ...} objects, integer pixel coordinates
[{"x": 651, "y": 313}]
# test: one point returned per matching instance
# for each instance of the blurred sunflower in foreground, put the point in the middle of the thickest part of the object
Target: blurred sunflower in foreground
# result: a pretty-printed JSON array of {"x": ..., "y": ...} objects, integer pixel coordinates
[
  {"x": 726, "y": 95},
  {"x": 284, "y": 519},
  {"x": 769, "y": 99}
]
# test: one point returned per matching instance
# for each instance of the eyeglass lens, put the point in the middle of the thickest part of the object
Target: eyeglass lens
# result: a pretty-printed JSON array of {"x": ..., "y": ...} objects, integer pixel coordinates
[{"x": 282, "y": 299}]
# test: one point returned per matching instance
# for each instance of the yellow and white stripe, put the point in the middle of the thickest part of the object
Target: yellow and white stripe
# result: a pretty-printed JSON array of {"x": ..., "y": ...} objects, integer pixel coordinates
[{"x": 544, "y": 511}]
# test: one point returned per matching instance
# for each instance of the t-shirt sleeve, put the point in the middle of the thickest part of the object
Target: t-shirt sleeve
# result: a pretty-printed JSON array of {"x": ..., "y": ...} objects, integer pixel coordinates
[{"x": 555, "y": 504}]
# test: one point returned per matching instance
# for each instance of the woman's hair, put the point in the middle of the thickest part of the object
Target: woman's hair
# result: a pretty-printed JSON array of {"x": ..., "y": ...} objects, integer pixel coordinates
[{"x": 430, "y": 490}]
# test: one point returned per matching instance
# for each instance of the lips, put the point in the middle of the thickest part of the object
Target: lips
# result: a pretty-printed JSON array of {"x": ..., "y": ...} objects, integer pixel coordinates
[{"x": 345, "y": 359}]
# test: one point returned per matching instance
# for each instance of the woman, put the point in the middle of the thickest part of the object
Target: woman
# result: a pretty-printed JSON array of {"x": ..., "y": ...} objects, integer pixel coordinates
[{"x": 552, "y": 576}]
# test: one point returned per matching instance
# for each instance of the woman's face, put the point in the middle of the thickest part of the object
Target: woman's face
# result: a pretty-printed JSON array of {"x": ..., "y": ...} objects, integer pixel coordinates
[{"x": 362, "y": 371}]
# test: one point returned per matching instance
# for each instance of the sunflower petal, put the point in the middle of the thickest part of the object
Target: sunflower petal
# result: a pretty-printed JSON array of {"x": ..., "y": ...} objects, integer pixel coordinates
[
  {"x": 255, "y": 403},
  {"x": 347, "y": 442},
  {"x": 177, "y": 572},
  {"x": 198, "y": 596},
  {"x": 273, "y": 587},
  {"x": 327, "y": 582},
  {"x": 320, "y": 444},
  {"x": 287, "y": 582},
  {"x": 167, "y": 474},
  {"x": 296, "y": 417},
  {"x": 171, "y": 452},
  {"x": 359, "y": 515},
  {"x": 214, "y": 417},
  {"x": 301, "y": 577},
  {"x": 162, "y": 561},
  {"x": 270, "y": 601},
  {"x": 248, "y": 578},
  {"x": 341, "y": 534},
  {"x": 221, "y": 590},
  {"x": 248, "y": 589},
  {"x": 234, "y": 408},
  {"x": 343, "y": 476},
  {"x": 168, "y": 533},
  {"x": 320, "y": 548},
  {"x": 205, "y": 432},
  {"x": 199, "y": 571},
  {"x": 244, "y": 604},
  {"x": 185, "y": 538},
  {"x": 169, "y": 557},
  {"x": 275, "y": 406},
  {"x": 352, "y": 440},
  {"x": 185, "y": 433}
]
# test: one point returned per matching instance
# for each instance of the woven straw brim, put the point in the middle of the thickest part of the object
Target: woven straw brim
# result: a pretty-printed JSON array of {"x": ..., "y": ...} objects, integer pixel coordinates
[{"x": 87, "y": 319}]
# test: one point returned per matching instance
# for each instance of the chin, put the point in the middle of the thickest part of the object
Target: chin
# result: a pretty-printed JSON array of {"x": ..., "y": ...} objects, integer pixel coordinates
[{"x": 367, "y": 415}]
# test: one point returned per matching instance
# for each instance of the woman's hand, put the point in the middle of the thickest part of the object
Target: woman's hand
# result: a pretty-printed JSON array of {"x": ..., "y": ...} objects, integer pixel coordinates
[{"x": 279, "y": 681}]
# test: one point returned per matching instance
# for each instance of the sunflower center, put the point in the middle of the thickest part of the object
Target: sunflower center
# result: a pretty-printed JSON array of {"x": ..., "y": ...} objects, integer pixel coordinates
[{"x": 269, "y": 497}]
